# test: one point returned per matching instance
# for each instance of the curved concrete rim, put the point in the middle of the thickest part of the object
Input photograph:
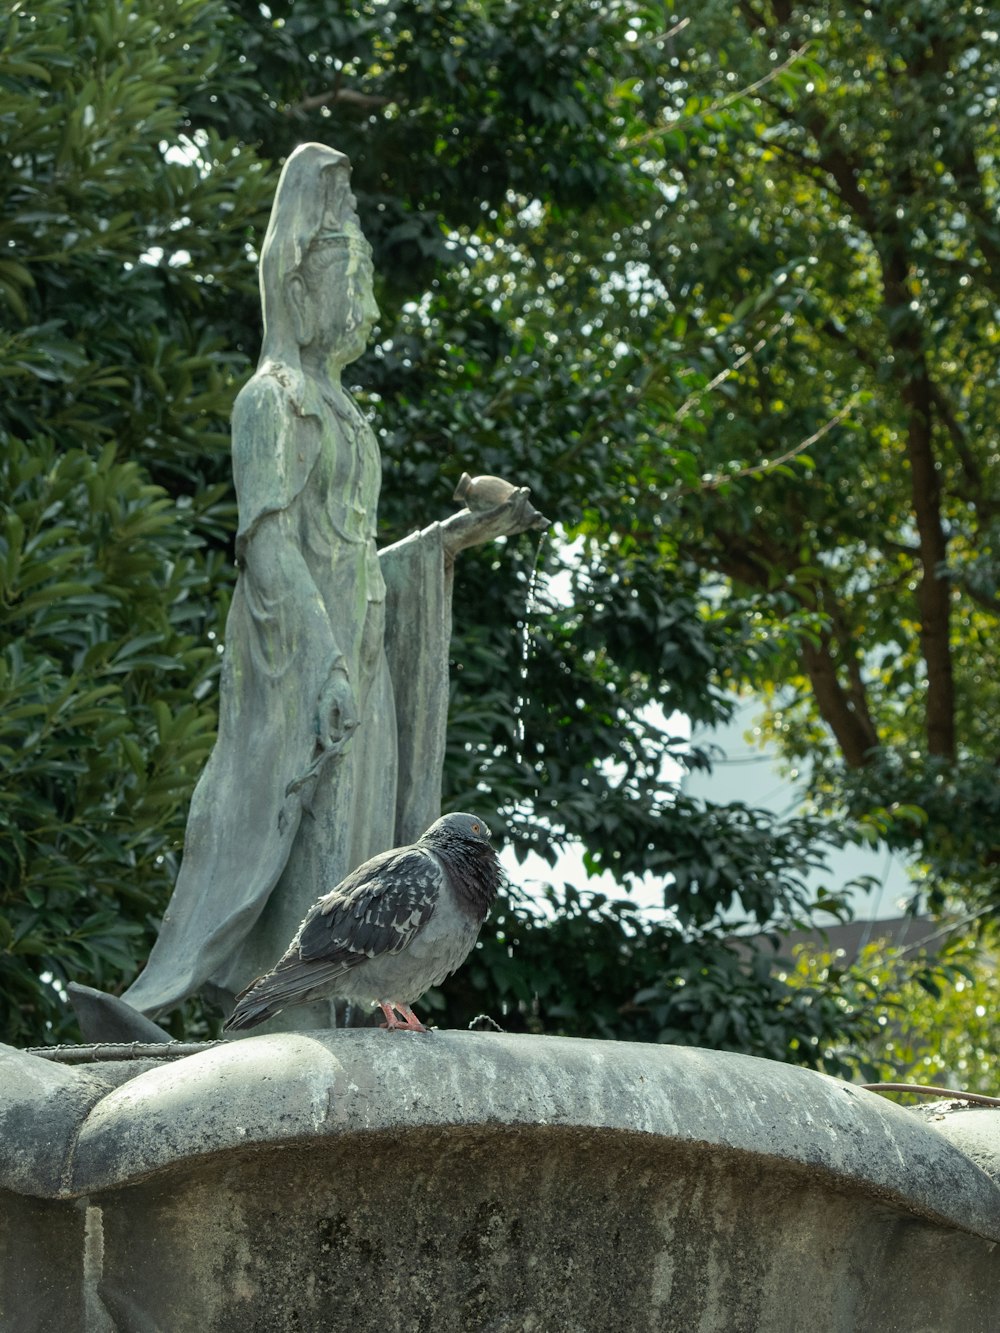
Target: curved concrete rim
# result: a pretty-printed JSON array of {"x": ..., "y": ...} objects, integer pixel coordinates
[{"x": 294, "y": 1087}]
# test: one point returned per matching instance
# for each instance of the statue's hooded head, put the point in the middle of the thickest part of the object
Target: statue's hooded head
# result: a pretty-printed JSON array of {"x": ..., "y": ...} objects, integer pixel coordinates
[{"x": 314, "y": 210}]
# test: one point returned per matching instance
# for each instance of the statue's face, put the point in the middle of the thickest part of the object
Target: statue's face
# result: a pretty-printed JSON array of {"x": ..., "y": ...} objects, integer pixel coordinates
[{"x": 339, "y": 283}]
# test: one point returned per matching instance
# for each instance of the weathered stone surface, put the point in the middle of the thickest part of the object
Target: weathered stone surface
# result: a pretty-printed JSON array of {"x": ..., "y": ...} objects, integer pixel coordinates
[
  {"x": 296, "y": 1086},
  {"x": 975, "y": 1130},
  {"x": 42, "y": 1105},
  {"x": 542, "y": 1229},
  {"x": 112, "y": 1017},
  {"x": 42, "y": 1255},
  {"x": 377, "y": 1181}
]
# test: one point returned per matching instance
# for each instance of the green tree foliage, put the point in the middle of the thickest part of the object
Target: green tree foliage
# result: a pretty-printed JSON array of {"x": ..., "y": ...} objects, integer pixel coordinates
[
  {"x": 607, "y": 270},
  {"x": 101, "y": 732},
  {"x": 592, "y": 967},
  {"x": 828, "y": 262},
  {"x": 118, "y": 267},
  {"x": 937, "y": 1024}
]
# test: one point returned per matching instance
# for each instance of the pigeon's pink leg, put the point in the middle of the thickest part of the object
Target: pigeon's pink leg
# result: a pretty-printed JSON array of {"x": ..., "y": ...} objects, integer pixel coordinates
[{"x": 411, "y": 1022}]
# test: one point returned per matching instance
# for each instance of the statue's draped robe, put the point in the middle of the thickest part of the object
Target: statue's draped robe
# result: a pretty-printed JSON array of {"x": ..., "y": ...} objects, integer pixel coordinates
[{"x": 273, "y": 824}]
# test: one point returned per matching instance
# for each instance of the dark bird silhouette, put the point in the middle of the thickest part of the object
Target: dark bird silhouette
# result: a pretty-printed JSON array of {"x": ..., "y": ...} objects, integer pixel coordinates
[{"x": 396, "y": 926}]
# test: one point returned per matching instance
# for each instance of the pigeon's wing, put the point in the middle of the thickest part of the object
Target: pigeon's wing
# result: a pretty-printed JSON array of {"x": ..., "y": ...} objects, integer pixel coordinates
[{"x": 377, "y": 910}]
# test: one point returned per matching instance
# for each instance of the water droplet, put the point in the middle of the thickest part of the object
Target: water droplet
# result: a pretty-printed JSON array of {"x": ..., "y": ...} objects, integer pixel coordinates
[{"x": 520, "y": 697}]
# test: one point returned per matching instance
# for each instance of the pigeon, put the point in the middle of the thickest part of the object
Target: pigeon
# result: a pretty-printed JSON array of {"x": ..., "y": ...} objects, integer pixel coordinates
[{"x": 396, "y": 926}]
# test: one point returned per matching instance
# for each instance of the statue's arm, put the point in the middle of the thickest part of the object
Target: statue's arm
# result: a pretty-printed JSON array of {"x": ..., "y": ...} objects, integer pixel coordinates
[
  {"x": 474, "y": 527},
  {"x": 294, "y": 630},
  {"x": 273, "y": 452}
]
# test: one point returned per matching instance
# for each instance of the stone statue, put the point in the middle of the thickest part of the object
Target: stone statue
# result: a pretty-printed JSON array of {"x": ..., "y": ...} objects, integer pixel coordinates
[{"x": 335, "y": 676}]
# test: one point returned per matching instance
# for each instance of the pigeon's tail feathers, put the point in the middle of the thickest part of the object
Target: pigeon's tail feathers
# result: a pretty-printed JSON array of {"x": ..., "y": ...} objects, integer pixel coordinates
[
  {"x": 250, "y": 1011},
  {"x": 248, "y": 1017},
  {"x": 252, "y": 1008},
  {"x": 292, "y": 982}
]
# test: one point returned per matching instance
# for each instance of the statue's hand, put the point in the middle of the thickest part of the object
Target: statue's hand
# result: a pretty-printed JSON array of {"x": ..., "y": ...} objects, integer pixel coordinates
[
  {"x": 336, "y": 714},
  {"x": 336, "y": 719},
  {"x": 473, "y": 527},
  {"x": 520, "y": 514}
]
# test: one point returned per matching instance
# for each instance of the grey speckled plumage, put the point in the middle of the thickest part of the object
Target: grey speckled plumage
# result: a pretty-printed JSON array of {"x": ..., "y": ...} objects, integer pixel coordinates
[{"x": 396, "y": 926}]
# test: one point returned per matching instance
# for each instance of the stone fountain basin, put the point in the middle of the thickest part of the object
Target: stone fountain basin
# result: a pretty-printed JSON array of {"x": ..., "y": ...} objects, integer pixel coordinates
[{"x": 370, "y": 1180}]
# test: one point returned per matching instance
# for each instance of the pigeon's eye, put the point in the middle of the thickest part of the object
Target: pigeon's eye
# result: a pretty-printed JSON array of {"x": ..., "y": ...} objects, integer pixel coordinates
[{"x": 476, "y": 828}]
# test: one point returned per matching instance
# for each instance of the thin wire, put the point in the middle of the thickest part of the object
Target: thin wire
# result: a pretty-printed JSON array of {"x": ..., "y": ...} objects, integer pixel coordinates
[{"x": 929, "y": 1090}]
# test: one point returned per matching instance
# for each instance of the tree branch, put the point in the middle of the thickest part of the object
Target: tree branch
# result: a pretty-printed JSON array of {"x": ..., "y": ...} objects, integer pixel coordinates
[
  {"x": 934, "y": 589},
  {"x": 757, "y": 469},
  {"x": 913, "y": 378},
  {"x": 916, "y": 392},
  {"x": 970, "y": 464},
  {"x": 854, "y": 731},
  {"x": 851, "y": 658},
  {"x": 982, "y": 599},
  {"x": 741, "y": 360},
  {"x": 845, "y": 711},
  {"x": 350, "y": 96},
  {"x": 715, "y": 107}
]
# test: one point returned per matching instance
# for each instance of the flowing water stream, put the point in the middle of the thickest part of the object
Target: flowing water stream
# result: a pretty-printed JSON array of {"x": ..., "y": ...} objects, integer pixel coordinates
[{"x": 520, "y": 697}]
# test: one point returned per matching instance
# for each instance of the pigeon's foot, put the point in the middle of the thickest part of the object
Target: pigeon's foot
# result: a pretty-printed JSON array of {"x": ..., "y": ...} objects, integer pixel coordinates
[{"x": 409, "y": 1022}]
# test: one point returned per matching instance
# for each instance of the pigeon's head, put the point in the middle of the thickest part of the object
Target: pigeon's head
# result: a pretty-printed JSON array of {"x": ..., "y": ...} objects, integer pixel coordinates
[
  {"x": 462, "y": 842},
  {"x": 458, "y": 827}
]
